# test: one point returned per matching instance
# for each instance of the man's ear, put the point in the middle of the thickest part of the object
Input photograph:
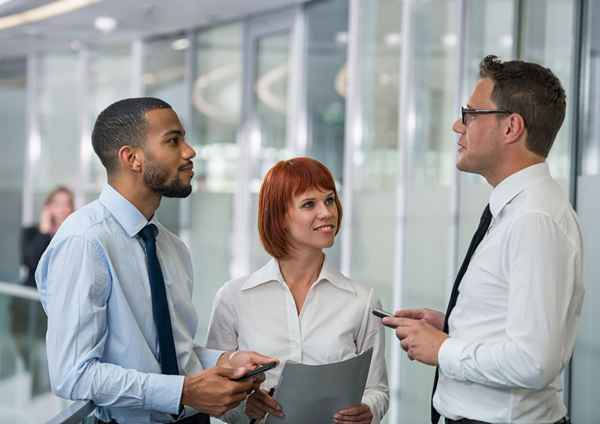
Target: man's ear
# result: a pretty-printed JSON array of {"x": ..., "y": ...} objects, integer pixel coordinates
[
  {"x": 514, "y": 128},
  {"x": 131, "y": 158}
]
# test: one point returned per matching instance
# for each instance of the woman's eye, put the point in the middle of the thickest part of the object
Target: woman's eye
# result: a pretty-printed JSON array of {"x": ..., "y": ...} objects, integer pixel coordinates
[
  {"x": 329, "y": 201},
  {"x": 308, "y": 205}
]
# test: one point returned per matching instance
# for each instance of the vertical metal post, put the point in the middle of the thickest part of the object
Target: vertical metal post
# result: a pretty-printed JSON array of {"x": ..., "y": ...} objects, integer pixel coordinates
[
  {"x": 406, "y": 139},
  {"x": 353, "y": 130},
  {"x": 297, "y": 137}
]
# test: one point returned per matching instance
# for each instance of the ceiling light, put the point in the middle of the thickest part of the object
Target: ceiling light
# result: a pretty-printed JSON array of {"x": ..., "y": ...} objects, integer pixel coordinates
[
  {"x": 105, "y": 24},
  {"x": 49, "y": 10},
  {"x": 180, "y": 44}
]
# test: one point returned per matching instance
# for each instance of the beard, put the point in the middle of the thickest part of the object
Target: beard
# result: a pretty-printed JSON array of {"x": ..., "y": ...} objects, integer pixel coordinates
[{"x": 157, "y": 179}]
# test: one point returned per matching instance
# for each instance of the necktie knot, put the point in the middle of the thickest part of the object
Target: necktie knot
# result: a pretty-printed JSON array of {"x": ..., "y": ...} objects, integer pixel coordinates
[{"x": 148, "y": 233}]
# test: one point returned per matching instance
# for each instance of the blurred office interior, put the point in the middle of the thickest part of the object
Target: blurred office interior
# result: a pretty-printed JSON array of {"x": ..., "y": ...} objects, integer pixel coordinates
[{"x": 369, "y": 87}]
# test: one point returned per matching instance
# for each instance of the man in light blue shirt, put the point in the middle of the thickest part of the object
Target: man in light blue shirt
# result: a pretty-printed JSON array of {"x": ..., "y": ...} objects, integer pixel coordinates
[{"x": 102, "y": 285}]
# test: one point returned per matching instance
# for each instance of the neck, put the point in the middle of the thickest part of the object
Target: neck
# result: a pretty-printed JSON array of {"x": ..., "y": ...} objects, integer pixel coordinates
[
  {"x": 302, "y": 269},
  {"x": 143, "y": 198},
  {"x": 509, "y": 167}
]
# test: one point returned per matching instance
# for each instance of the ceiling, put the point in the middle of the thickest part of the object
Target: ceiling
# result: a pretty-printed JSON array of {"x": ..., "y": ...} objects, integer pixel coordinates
[{"x": 135, "y": 19}]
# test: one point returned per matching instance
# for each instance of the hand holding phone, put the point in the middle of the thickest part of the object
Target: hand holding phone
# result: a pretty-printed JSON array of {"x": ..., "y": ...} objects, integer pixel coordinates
[
  {"x": 380, "y": 313},
  {"x": 258, "y": 370}
]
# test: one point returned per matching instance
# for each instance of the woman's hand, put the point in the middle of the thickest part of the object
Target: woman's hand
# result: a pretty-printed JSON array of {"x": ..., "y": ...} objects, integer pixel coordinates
[
  {"x": 260, "y": 403},
  {"x": 357, "y": 414}
]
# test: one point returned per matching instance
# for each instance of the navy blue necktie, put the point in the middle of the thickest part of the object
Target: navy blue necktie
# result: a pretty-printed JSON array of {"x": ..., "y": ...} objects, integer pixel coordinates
[
  {"x": 160, "y": 306},
  {"x": 484, "y": 223}
]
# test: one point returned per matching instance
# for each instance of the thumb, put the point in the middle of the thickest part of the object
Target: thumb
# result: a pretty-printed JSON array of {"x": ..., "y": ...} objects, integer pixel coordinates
[{"x": 260, "y": 359}]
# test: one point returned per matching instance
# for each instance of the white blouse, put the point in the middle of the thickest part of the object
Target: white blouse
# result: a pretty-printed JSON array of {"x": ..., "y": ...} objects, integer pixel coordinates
[{"x": 258, "y": 313}]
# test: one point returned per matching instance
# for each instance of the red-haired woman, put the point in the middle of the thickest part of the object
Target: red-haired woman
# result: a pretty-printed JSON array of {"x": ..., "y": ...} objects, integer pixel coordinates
[{"x": 298, "y": 307}]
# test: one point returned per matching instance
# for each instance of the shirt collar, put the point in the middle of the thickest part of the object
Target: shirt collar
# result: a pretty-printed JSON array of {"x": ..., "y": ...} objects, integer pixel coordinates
[
  {"x": 126, "y": 214},
  {"x": 514, "y": 184},
  {"x": 271, "y": 273}
]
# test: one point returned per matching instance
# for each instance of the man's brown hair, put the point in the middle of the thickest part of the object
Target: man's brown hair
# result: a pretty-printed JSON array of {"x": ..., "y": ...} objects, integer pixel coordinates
[{"x": 532, "y": 91}]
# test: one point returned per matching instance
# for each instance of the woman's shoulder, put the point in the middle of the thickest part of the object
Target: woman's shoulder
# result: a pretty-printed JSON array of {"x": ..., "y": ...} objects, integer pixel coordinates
[
  {"x": 236, "y": 285},
  {"x": 360, "y": 288}
]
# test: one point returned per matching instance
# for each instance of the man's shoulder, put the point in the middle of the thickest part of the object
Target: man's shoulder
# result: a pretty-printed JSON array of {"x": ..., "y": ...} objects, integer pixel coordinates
[
  {"x": 547, "y": 197},
  {"x": 86, "y": 222}
]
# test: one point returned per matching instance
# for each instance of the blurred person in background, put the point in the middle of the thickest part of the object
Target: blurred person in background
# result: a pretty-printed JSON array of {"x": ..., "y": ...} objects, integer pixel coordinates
[
  {"x": 59, "y": 204},
  {"x": 299, "y": 215}
]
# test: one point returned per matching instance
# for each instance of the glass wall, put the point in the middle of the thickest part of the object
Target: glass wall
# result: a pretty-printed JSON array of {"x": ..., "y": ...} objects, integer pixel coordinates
[
  {"x": 584, "y": 369},
  {"x": 216, "y": 110}
]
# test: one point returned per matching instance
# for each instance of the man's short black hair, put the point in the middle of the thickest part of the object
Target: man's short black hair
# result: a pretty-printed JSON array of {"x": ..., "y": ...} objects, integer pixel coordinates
[
  {"x": 533, "y": 92},
  {"x": 123, "y": 123}
]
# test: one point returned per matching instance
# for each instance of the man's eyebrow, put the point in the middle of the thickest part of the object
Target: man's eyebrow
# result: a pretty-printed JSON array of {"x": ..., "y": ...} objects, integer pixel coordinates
[{"x": 171, "y": 132}]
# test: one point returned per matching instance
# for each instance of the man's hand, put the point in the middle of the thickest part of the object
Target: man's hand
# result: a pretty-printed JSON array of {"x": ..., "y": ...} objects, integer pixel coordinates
[
  {"x": 421, "y": 340},
  {"x": 260, "y": 403},
  {"x": 248, "y": 360},
  {"x": 433, "y": 317},
  {"x": 213, "y": 392},
  {"x": 357, "y": 414}
]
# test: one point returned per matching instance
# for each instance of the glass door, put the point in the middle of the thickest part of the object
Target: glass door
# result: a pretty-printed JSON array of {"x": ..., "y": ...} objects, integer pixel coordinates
[{"x": 272, "y": 82}]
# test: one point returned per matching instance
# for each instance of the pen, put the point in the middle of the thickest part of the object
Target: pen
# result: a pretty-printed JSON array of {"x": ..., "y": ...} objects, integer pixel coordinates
[{"x": 271, "y": 392}]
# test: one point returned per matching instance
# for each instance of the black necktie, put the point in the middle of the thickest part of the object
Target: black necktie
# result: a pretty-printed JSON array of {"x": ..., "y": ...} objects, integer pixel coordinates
[
  {"x": 160, "y": 306},
  {"x": 484, "y": 223}
]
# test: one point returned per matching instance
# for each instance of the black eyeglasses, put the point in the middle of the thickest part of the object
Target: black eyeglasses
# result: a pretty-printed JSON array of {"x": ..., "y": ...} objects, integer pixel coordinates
[{"x": 464, "y": 111}]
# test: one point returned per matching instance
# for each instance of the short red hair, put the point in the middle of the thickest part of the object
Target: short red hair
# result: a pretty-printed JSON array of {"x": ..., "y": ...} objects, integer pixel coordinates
[{"x": 289, "y": 178}]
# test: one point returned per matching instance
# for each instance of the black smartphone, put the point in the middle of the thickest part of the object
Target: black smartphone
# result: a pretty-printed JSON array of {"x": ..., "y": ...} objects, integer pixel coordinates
[
  {"x": 259, "y": 370},
  {"x": 381, "y": 313}
]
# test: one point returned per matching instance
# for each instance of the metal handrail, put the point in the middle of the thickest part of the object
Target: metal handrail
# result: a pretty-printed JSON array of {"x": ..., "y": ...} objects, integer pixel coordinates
[
  {"x": 74, "y": 413},
  {"x": 17, "y": 290}
]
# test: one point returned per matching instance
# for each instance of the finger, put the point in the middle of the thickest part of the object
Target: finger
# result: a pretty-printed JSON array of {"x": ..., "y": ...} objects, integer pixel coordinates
[
  {"x": 365, "y": 418},
  {"x": 260, "y": 359},
  {"x": 260, "y": 405},
  {"x": 351, "y": 410},
  {"x": 404, "y": 345},
  {"x": 410, "y": 313},
  {"x": 402, "y": 332},
  {"x": 231, "y": 373}
]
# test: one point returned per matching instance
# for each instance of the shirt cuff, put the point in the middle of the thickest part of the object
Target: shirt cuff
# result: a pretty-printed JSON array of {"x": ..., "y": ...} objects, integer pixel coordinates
[
  {"x": 164, "y": 393},
  {"x": 450, "y": 358},
  {"x": 209, "y": 357}
]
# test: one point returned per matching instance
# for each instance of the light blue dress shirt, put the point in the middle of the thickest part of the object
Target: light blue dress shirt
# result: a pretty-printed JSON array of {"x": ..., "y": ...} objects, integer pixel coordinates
[{"x": 102, "y": 343}]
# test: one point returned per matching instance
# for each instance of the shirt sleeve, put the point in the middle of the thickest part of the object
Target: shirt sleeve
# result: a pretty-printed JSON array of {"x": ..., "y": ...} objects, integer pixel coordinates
[
  {"x": 376, "y": 395},
  {"x": 75, "y": 286},
  {"x": 222, "y": 334},
  {"x": 542, "y": 265}
]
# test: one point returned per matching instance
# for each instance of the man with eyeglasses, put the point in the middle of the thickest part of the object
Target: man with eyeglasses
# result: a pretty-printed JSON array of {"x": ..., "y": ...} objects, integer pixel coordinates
[{"x": 510, "y": 325}]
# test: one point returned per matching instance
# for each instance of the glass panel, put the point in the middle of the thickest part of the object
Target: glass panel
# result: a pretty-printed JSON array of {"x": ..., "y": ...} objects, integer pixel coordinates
[
  {"x": 429, "y": 176},
  {"x": 375, "y": 167},
  {"x": 327, "y": 30},
  {"x": 489, "y": 29},
  {"x": 24, "y": 381},
  {"x": 543, "y": 44},
  {"x": 12, "y": 121},
  {"x": 163, "y": 77},
  {"x": 585, "y": 373},
  {"x": 270, "y": 106},
  {"x": 216, "y": 104},
  {"x": 60, "y": 137},
  {"x": 107, "y": 84}
]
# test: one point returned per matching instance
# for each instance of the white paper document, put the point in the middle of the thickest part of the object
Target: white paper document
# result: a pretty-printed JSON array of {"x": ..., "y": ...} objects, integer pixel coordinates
[{"x": 314, "y": 393}]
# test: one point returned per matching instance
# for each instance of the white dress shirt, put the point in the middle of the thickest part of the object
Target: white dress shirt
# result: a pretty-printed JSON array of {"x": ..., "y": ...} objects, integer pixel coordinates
[
  {"x": 513, "y": 328},
  {"x": 258, "y": 313},
  {"x": 102, "y": 343}
]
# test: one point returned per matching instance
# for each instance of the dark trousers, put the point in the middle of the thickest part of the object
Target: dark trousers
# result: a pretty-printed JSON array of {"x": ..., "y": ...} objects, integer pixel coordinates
[{"x": 564, "y": 420}]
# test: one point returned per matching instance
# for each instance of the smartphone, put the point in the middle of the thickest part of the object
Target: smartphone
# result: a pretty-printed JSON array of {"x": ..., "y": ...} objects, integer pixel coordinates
[
  {"x": 381, "y": 313},
  {"x": 259, "y": 370}
]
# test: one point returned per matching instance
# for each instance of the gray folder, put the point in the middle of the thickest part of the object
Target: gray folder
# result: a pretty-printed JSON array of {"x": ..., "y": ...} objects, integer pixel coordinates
[{"x": 314, "y": 393}]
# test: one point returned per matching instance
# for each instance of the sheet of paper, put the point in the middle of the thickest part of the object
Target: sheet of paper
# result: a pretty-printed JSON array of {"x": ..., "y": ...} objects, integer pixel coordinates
[{"x": 314, "y": 393}]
